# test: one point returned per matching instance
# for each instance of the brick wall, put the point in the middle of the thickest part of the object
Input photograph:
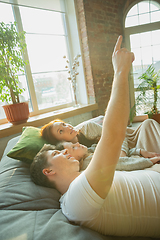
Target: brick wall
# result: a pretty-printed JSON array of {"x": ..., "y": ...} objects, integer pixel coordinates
[
  {"x": 100, "y": 23},
  {"x": 85, "y": 51}
]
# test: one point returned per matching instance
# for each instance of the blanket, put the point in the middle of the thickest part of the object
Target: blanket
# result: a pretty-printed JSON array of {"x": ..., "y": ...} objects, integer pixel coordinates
[
  {"x": 146, "y": 136},
  {"x": 124, "y": 163}
]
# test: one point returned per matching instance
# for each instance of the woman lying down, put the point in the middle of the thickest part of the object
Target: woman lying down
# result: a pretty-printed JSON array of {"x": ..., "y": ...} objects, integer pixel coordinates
[
  {"x": 84, "y": 156},
  {"x": 111, "y": 202}
]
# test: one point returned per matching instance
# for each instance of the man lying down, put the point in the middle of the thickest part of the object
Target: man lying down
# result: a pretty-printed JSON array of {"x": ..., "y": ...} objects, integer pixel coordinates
[{"x": 111, "y": 202}]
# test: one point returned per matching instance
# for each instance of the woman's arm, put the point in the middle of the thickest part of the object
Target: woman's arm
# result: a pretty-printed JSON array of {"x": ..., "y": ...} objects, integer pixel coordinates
[
  {"x": 142, "y": 153},
  {"x": 100, "y": 171}
]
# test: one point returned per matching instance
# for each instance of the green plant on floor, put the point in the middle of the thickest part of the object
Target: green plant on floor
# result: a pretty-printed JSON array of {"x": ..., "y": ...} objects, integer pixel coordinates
[
  {"x": 12, "y": 45},
  {"x": 149, "y": 81}
]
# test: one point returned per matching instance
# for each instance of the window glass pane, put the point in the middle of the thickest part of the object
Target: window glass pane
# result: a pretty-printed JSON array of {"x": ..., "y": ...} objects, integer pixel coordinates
[
  {"x": 136, "y": 74},
  {"x": 25, "y": 96},
  {"x": 131, "y": 21},
  {"x": 135, "y": 41},
  {"x": 154, "y": 6},
  {"x": 143, "y": 7},
  {"x": 138, "y": 57},
  {"x": 155, "y": 37},
  {"x": 145, "y": 39},
  {"x": 156, "y": 53},
  {"x": 52, "y": 89},
  {"x": 6, "y": 13},
  {"x": 2, "y": 113},
  {"x": 133, "y": 11},
  {"x": 146, "y": 47},
  {"x": 147, "y": 55},
  {"x": 48, "y": 54},
  {"x": 146, "y": 104},
  {"x": 143, "y": 13},
  {"x": 155, "y": 16},
  {"x": 144, "y": 18},
  {"x": 46, "y": 45},
  {"x": 42, "y": 21}
]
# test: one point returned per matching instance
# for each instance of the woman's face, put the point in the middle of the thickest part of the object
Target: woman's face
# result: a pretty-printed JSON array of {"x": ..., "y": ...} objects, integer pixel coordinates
[
  {"x": 76, "y": 150},
  {"x": 64, "y": 132}
]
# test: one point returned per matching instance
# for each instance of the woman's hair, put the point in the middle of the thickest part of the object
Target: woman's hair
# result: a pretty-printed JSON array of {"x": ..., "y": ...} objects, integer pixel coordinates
[
  {"x": 46, "y": 132},
  {"x": 59, "y": 146},
  {"x": 39, "y": 163}
]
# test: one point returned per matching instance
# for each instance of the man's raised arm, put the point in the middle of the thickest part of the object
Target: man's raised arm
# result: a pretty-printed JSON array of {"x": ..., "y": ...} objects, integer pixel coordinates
[{"x": 101, "y": 170}]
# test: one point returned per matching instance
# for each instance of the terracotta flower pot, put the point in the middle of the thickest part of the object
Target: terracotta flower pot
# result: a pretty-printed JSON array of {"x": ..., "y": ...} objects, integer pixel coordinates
[
  {"x": 156, "y": 117},
  {"x": 17, "y": 113}
]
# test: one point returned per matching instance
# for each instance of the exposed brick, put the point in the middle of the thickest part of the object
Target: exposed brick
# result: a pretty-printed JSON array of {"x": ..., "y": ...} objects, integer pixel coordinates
[{"x": 100, "y": 23}]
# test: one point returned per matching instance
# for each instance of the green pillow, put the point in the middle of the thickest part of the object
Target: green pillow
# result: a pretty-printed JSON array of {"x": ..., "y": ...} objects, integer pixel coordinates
[{"x": 28, "y": 145}]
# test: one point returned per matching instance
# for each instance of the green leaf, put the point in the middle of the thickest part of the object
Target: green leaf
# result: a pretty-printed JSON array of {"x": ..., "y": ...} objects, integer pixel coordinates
[{"x": 12, "y": 45}]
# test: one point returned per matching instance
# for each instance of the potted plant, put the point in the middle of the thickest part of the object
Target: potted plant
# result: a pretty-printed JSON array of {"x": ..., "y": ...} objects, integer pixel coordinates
[
  {"x": 148, "y": 93},
  {"x": 12, "y": 45}
]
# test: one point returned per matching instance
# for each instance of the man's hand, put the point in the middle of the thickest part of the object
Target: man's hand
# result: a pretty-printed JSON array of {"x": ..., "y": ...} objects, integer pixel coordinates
[{"x": 121, "y": 58}]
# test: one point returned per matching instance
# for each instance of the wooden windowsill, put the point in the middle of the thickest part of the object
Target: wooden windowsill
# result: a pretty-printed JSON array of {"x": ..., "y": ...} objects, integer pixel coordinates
[
  {"x": 140, "y": 118},
  {"x": 8, "y": 129}
]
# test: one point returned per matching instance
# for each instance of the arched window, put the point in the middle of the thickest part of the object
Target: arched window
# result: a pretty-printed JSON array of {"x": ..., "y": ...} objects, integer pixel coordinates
[{"x": 142, "y": 32}]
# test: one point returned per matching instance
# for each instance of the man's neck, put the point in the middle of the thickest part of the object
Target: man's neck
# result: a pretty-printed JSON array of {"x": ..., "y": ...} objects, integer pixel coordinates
[{"x": 62, "y": 184}]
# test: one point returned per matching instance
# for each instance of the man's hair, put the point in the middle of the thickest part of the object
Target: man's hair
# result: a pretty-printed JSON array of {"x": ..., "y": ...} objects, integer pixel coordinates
[{"x": 39, "y": 163}]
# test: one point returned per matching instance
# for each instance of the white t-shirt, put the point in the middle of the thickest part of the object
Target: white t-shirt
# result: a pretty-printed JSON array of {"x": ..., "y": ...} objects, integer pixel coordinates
[{"x": 131, "y": 208}]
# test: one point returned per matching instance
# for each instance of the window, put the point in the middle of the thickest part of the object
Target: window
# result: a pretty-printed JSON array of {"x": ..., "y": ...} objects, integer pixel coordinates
[
  {"x": 47, "y": 39},
  {"x": 142, "y": 29}
]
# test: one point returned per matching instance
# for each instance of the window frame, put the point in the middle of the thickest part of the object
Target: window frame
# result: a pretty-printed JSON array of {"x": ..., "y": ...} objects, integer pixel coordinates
[
  {"x": 127, "y": 32},
  {"x": 74, "y": 48}
]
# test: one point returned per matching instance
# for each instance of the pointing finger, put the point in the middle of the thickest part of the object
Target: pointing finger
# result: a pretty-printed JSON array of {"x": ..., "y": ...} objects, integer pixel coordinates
[{"x": 118, "y": 44}]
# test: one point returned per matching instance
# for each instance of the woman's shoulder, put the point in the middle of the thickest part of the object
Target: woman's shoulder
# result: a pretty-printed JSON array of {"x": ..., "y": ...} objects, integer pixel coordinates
[{"x": 84, "y": 140}]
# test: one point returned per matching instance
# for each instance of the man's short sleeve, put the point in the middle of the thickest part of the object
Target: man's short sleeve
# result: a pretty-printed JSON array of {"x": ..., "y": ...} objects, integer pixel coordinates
[{"x": 80, "y": 202}]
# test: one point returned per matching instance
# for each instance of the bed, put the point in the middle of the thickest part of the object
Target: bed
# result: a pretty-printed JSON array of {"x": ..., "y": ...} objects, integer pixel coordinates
[{"x": 32, "y": 212}]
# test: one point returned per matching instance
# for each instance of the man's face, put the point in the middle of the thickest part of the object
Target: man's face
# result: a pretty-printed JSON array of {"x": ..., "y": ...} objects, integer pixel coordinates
[
  {"x": 63, "y": 132},
  {"x": 76, "y": 150},
  {"x": 60, "y": 161}
]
